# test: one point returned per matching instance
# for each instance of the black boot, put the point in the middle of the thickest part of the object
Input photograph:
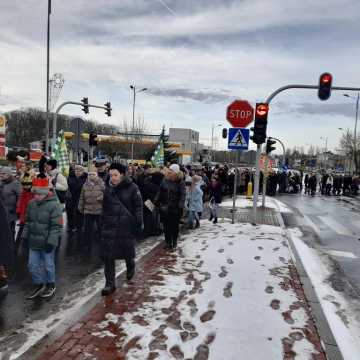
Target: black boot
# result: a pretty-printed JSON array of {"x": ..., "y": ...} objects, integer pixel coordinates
[
  {"x": 211, "y": 217},
  {"x": 215, "y": 221},
  {"x": 107, "y": 290},
  {"x": 130, "y": 269},
  {"x": 197, "y": 224}
]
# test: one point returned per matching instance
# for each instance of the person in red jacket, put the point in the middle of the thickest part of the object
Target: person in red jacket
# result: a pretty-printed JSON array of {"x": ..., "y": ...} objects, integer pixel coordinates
[{"x": 25, "y": 197}]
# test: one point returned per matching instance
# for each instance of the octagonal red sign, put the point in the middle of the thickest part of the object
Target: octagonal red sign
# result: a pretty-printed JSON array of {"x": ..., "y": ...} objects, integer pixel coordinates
[{"x": 240, "y": 113}]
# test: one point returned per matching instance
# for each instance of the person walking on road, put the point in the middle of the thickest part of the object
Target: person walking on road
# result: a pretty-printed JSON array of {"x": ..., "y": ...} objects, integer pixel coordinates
[
  {"x": 195, "y": 202},
  {"x": 215, "y": 198},
  {"x": 43, "y": 228},
  {"x": 6, "y": 249},
  {"x": 171, "y": 201},
  {"x": 75, "y": 183},
  {"x": 312, "y": 184},
  {"x": 10, "y": 191},
  {"x": 121, "y": 222},
  {"x": 26, "y": 196},
  {"x": 90, "y": 204},
  {"x": 57, "y": 180},
  {"x": 329, "y": 184}
]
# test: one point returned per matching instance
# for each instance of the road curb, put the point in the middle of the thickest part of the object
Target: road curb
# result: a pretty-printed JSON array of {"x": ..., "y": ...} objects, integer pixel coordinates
[
  {"x": 35, "y": 350},
  {"x": 326, "y": 335}
]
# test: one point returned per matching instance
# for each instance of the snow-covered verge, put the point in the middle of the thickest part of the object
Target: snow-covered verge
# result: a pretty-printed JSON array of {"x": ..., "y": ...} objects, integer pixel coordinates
[
  {"x": 270, "y": 202},
  {"x": 20, "y": 340},
  {"x": 226, "y": 294},
  {"x": 338, "y": 310}
]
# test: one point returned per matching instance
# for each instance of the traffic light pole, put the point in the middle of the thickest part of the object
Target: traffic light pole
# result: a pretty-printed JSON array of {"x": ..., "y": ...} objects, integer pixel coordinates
[
  {"x": 58, "y": 110},
  {"x": 266, "y": 170},
  {"x": 256, "y": 183},
  {"x": 258, "y": 152},
  {"x": 235, "y": 187},
  {"x": 265, "y": 176}
]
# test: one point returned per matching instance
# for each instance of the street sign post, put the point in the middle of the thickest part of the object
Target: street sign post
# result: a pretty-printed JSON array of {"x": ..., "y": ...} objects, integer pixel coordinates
[
  {"x": 238, "y": 139},
  {"x": 240, "y": 113}
]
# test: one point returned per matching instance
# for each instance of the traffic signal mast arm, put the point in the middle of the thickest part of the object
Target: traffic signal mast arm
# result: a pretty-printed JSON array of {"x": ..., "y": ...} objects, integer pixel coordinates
[
  {"x": 316, "y": 87},
  {"x": 73, "y": 103}
]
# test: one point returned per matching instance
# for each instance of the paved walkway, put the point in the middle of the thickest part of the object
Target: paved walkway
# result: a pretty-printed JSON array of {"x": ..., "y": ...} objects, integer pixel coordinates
[{"x": 228, "y": 292}]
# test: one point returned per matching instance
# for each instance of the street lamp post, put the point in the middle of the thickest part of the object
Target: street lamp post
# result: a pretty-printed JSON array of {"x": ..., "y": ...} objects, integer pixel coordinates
[
  {"x": 133, "y": 88},
  {"x": 325, "y": 157},
  {"x": 355, "y": 128},
  {"x": 212, "y": 139}
]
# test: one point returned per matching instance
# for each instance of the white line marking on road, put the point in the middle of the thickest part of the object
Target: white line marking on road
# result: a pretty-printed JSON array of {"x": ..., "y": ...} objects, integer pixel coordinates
[
  {"x": 345, "y": 254},
  {"x": 338, "y": 228}
]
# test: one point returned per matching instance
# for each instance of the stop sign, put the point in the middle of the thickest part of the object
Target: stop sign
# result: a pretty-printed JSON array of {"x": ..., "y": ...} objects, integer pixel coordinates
[{"x": 240, "y": 113}]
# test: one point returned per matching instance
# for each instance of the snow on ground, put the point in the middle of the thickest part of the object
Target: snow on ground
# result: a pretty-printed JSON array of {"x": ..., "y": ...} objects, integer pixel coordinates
[
  {"x": 243, "y": 202},
  {"x": 226, "y": 294},
  {"x": 34, "y": 330},
  {"x": 338, "y": 310}
]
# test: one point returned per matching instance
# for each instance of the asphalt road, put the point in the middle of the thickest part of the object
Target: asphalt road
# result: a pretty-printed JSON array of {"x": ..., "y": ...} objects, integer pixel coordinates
[
  {"x": 74, "y": 263},
  {"x": 332, "y": 225}
]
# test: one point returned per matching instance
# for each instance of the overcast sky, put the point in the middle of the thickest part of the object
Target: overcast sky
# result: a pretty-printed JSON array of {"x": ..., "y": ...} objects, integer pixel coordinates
[{"x": 194, "y": 56}]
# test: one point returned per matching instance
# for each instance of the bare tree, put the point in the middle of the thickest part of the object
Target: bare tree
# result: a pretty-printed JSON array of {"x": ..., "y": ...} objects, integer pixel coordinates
[{"x": 348, "y": 147}]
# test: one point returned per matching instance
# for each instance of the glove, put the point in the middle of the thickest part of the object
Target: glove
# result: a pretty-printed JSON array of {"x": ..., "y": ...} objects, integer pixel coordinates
[{"x": 49, "y": 248}]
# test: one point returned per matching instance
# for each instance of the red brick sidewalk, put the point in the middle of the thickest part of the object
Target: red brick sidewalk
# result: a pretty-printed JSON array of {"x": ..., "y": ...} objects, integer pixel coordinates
[
  {"x": 99, "y": 335},
  {"x": 78, "y": 342}
]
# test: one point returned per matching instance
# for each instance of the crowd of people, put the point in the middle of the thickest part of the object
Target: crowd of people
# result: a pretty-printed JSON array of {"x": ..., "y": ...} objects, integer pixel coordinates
[
  {"x": 113, "y": 204},
  {"x": 117, "y": 204},
  {"x": 331, "y": 184}
]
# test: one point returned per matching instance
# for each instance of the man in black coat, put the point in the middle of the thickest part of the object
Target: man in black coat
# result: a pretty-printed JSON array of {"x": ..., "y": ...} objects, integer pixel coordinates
[
  {"x": 76, "y": 181},
  {"x": 6, "y": 248},
  {"x": 122, "y": 221}
]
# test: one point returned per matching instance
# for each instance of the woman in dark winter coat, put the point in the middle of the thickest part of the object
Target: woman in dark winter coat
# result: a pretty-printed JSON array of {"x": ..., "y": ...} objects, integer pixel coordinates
[
  {"x": 150, "y": 188},
  {"x": 122, "y": 221},
  {"x": 171, "y": 202},
  {"x": 6, "y": 251},
  {"x": 215, "y": 198}
]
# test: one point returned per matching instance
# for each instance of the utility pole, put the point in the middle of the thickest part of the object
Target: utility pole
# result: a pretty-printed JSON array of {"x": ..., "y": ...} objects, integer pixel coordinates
[{"x": 47, "y": 122}]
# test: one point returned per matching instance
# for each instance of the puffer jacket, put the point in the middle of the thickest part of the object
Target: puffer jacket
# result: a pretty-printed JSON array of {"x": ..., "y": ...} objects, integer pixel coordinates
[
  {"x": 43, "y": 222},
  {"x": 91, "y": 197},
  {"x": 122, "y": 219},
  {"x": 195, "y": 198},
  {"x": 10, "y": 191}
]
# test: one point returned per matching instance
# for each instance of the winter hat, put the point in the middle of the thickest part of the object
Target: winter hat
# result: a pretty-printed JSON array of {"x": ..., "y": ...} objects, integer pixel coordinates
[
  {"x": 119, "y": 167},
  {"x": 6, "y": 170},
  {"x": 52, "y": 163},
  {"x": 175, "y": 168},
  {"x": 100, "y": 162},
  {"x": 79, "y": 168},
  {"x": 40, "y": 186}
]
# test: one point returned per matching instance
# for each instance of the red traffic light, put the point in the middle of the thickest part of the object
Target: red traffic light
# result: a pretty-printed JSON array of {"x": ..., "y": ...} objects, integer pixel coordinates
[
  {"x": 325, "y": 82},
  {"x": 262, "y": 110},
  {"x": 326, "y": 78}
]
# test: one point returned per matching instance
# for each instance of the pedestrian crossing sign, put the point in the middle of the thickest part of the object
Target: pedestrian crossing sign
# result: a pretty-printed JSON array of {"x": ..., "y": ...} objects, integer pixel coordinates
[{"x": 238, "y": 139}]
